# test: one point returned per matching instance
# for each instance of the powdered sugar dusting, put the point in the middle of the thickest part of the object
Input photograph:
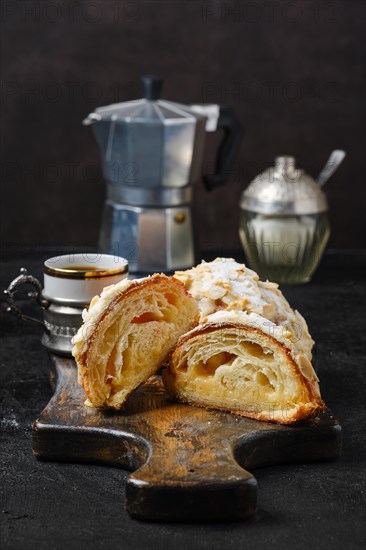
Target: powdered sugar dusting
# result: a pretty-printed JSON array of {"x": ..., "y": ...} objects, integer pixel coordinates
[{"x": 224, "y": 284}]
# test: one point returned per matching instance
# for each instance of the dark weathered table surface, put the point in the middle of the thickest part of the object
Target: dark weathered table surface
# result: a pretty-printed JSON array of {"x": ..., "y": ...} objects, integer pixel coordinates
[{"x": 52, "y": 505}]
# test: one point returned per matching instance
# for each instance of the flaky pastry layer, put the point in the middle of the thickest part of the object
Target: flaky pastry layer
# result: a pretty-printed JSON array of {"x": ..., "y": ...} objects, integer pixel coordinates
[
  {"x": 127, "y": 333},
  {"x": 241, "y": 363}
]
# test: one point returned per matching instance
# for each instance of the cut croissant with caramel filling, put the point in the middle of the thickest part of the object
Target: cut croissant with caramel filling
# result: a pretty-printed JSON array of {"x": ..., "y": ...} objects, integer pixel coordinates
[
  {"x": 242, "y": 363},
  {"x": 127, "y": 333}
]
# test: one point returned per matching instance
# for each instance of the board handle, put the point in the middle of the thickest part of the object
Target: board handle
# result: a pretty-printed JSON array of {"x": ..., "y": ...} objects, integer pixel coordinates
[{"x": 184, "y": 483}]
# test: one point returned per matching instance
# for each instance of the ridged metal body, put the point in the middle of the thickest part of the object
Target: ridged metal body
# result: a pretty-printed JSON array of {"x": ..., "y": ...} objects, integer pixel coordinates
[{"x": 152, "y": 154}]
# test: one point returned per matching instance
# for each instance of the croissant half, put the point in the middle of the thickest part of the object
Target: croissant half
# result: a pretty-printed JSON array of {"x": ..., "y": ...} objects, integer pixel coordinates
[
  {"x": 127, "y": 333},
  {"x": 240, "y": 362}
]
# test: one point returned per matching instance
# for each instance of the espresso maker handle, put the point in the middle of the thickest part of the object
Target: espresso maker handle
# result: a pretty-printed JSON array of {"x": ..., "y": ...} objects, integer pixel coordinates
[
  {"x": 228, "y": 148},
  {"x": 11, "y": 291}
]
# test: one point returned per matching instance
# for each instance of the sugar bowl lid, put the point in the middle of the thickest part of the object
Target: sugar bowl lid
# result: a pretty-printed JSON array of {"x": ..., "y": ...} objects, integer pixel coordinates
[{"x": 283, "y": 190}]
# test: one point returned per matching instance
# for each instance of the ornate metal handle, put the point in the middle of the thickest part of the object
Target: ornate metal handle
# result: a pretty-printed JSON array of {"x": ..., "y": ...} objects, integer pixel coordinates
[{"x": 10, "y": 293}]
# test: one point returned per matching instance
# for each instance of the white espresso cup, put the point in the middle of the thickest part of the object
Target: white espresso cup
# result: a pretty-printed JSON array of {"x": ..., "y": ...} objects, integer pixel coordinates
[
  {"x": 70, "y": 283},
  {"x": 79, "y": 277}
]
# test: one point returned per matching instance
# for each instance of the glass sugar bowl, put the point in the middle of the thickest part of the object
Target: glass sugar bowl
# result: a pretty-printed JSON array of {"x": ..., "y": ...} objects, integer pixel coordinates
[{"x": 284, "y": 223}]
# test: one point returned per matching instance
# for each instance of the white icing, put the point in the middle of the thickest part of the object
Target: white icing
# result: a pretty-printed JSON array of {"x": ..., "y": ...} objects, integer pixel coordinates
[
  {"x": 226, "y": 284},
  {"x": 253, "y": 320}
]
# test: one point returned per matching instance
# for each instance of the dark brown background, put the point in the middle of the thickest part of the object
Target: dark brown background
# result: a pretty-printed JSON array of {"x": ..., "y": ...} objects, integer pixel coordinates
[{"x": 293, "y": 71}]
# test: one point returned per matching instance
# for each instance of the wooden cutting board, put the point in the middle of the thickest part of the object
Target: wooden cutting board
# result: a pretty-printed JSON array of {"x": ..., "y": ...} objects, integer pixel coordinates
[{"x": 188, "y": 462}]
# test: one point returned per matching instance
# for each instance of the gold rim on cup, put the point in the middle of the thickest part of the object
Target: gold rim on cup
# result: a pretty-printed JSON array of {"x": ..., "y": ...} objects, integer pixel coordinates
[{"x": 87, "y": 273}]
